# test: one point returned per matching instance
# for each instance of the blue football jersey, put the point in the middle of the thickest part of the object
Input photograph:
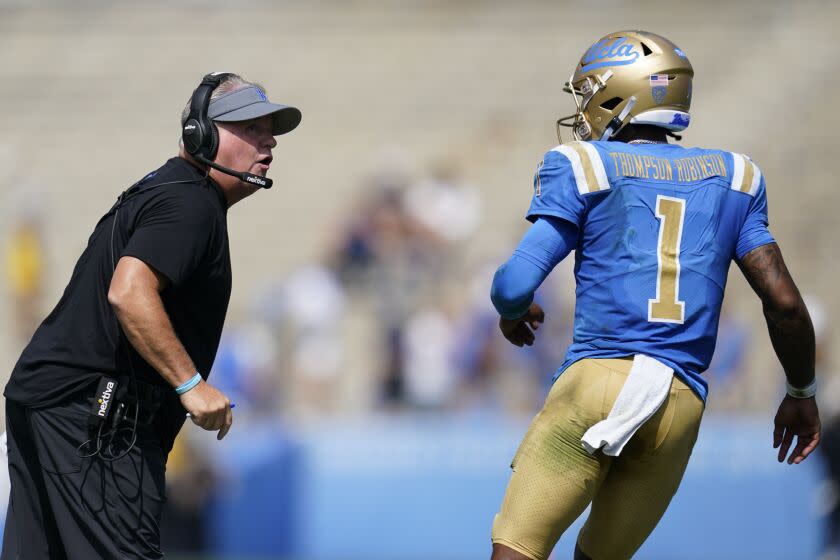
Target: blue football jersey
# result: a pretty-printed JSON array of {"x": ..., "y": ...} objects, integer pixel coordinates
[{"x": 658, "y": 226}]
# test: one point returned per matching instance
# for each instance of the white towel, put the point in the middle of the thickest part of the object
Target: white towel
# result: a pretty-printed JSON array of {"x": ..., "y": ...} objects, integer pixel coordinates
[
  {"x": 5, "y": 486},
  {"x": 644, "y": 391}
]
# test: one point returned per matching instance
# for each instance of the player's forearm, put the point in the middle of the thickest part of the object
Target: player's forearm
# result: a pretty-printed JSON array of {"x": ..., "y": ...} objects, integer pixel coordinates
[
  {"x": 545, "y": 244},
  {"x": 513, "y": 287},
  {"x": 788, "y": 321},
  {"x": 792, "y": 335},
  {"x": 148, "y": 328}
]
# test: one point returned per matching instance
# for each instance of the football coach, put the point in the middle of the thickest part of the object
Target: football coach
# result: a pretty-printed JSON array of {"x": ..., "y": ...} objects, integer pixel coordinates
[{"x": 96, "y": 399}]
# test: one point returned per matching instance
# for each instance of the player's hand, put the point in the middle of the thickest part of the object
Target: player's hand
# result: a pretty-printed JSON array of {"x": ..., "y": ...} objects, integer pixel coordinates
[
  {"x": 800, "y": 418},
  {"x": 521, "y": 331},
  {"x": 209, "y": 408}
]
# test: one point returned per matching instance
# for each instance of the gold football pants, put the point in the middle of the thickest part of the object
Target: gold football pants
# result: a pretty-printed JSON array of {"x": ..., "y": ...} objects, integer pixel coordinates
[{"x": 554, "y": 478}]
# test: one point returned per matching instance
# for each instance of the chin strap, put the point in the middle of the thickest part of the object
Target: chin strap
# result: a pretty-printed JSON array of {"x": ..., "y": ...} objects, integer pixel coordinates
[{"x": 617, "y": 122}]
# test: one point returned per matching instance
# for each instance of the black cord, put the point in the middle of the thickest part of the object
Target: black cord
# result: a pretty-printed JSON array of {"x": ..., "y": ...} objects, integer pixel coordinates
[
  {"x": 98, "y": 440},
  {"x": 106, "y": 452}
]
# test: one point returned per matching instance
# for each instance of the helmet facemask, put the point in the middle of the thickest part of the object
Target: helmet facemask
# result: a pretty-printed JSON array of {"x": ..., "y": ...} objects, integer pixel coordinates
[{"x": 582, "y": 93}]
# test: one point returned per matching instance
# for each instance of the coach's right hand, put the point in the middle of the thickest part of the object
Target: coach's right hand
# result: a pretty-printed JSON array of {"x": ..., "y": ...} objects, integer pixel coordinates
[{"x": 209, "y": 408}]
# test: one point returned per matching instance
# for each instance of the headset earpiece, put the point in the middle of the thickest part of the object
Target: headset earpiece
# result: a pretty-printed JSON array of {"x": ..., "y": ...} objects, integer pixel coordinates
[
  {"x": 192, "y": 136},
  {"x": 200, "y": 136},
  {"x": 212, "y": 142}
]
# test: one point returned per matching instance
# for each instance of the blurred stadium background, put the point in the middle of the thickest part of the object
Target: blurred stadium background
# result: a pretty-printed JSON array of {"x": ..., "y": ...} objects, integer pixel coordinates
[{"x": 378, "y": 408}]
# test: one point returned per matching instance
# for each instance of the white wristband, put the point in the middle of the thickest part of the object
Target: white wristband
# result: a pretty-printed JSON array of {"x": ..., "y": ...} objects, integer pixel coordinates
[{"x": 803, "y": 392}]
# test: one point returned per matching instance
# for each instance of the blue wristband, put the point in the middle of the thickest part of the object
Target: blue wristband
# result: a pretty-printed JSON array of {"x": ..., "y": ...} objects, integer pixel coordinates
[{"x": 187, "y": 385}]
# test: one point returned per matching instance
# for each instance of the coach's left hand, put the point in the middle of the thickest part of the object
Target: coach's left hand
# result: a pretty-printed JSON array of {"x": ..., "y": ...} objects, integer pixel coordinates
[
  {"x": 800, "y": 418},
  {"x": 521, "y": 331}
]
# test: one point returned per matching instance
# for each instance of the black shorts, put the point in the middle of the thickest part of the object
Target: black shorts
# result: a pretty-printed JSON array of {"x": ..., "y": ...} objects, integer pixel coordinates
[{"x": 65, "y": 506}]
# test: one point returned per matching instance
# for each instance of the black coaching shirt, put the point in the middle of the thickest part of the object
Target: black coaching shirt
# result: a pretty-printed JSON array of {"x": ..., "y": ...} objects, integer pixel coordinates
[{"x": 180, "y": 230}]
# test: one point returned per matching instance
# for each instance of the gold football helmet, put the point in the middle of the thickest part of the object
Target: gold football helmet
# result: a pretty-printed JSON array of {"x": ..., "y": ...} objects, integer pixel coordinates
[{"x": 629, "y": 77}]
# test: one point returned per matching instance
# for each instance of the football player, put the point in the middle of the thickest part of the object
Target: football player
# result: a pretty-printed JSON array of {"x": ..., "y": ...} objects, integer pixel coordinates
[{"x": 654, "y": 227}]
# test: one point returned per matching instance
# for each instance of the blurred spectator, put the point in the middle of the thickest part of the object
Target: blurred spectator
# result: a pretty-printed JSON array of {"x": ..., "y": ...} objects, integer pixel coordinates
[
  {"x": 315, "y": 304},
  {"x": 479, "y": 352},
  {"x": 533, "y": 367},
  {"x": 431, "y": 376},
  {"x": 378, "y": 214},
  {"x": 305, "y": 312},
  {"x": 497, "y": 375},
  {"x": 392, "y": 390},
  {"x": 379, "y": 232},
  {"x": 727, "y": 371},
  {"x": 828, "y": 397},
  {"x": 444, "y": 205},
  {"x": 25, "y": 271},
  {"x": 384, "y": 252},
  {"x": 190, "y": 484},
  {"x": 246, "y": 369},
  {"x": 733, "y": 341}
]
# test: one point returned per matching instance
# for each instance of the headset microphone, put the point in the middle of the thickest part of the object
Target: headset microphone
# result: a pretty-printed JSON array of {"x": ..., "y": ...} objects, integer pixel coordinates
[{"x": 263, "y": 182}]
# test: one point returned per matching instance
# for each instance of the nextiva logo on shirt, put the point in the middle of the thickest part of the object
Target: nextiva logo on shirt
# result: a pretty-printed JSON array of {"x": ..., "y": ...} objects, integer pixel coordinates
[{"x": 609, "y": 52}]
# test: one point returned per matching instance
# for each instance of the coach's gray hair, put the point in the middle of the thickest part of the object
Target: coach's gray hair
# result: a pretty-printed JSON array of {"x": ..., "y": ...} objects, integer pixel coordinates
[{"x": 231, "y": 82}]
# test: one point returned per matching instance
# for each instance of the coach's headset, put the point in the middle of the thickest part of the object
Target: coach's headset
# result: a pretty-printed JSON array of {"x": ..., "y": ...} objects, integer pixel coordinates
[
  {"x": 201, "y": 140},
  {"x": 201, "y": 137}
]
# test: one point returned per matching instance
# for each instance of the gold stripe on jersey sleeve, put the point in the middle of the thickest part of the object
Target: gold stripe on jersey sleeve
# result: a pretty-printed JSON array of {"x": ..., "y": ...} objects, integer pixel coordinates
[
  {"x": 746, "y": 181},
  {"x": 586, "y": 164}
]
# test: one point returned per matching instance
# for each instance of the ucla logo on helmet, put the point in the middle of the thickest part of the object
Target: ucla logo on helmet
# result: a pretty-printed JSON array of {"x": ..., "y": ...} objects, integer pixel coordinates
[
  {"x": 658, "y": 93},
  {"x": 659, "y": 87},
  {"x": 609, "y": 52}
]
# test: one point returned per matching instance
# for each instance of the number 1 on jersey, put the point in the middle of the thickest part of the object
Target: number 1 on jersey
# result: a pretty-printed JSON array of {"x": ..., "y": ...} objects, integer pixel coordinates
[{"x": 666, "y": 308}]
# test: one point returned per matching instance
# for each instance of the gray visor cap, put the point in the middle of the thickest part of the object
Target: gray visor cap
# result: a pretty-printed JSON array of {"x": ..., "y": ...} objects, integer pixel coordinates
[{"x": 251, "y": 103}]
